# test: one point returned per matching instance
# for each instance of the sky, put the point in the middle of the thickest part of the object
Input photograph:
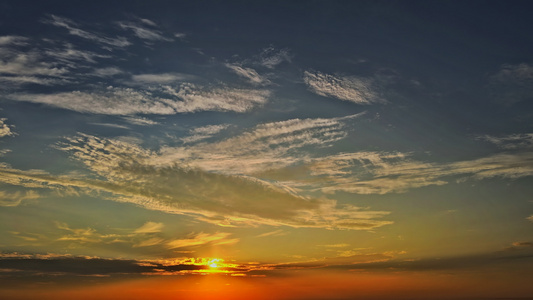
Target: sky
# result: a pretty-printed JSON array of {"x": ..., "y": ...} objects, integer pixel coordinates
[{"x": 286, "y": 150}]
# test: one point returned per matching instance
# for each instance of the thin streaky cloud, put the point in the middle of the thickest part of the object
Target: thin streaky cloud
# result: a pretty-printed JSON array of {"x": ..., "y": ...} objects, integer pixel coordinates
[
  {"x": 248, "y": 73},
  {"x": 150, "y": 227},
  {"x": 514, "y": 141},
  {"x": 16, "y": 198},
  {"x": 73, "y": 29},
  {"x": 198, "y": 240},
  {"x": 143, "y": 32},
  {"x": 13, "y": 40},
  {"x": 128, "y": 101},
  {"x": 162, "y": 78}
]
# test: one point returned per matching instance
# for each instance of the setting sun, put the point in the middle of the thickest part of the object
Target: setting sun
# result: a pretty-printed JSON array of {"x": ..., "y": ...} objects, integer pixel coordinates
[{"x": 214, "y": 263}]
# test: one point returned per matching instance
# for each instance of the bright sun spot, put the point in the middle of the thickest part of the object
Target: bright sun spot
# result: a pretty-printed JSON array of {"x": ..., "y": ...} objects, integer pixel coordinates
[{"x": 214, "y": 263}]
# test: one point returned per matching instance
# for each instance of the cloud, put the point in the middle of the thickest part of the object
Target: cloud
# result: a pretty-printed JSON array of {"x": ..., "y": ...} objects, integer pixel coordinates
[
  {"x": 29, "y": 63},
  {"x": 201, "y": 239},
  {"x": 140, "y": 121},
  {"x": 530, "y": 218},
  {"x": 354, "y": 89},
  {"x": 514, "y": 141},
  {"x": 248, "y": 73},
  {"x": 204, "y": 132},
  {"x": 128, "y": 101},
  {"x": 383, "y": 172},
  {"x": 150, "y": 227},
  {"x": 106, "y": 72},
  {"x": 57, "y": 267},
  {"x": 15, "y": 198},
  {"x": 162, "y": 78},
  {"x": 271, "y": 57},
  {"x": 129, "y": 175},
  {"x": 73, "y": 29},
  {"x": 141, "y": 31},
  {"x": 217, "y": 99},
  {"x": 512, "y": 83},
  {"x": 266, "y": 146},
  {"x": 5, "y": 130},
  {"x": 69, "y": 54},
  {"x": 111, "y": 101},
  {"x": 278, "y": 232},
  {"x": 9, "y": 40}
]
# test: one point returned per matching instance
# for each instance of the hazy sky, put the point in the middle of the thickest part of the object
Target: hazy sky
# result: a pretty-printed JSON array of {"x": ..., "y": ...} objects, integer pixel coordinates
[{"x": 266, "y": 149}]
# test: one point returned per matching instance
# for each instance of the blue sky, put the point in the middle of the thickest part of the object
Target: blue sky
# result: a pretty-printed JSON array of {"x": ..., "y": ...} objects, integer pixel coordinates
[{"x": 330, "y": 135}]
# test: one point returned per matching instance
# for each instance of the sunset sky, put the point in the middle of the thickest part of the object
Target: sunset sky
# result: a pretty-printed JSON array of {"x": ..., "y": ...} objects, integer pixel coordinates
[{"x": 266, "y": 150}]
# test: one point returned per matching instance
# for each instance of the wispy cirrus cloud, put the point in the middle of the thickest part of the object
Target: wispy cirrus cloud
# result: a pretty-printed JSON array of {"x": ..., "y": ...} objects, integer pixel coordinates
[
  {"x": 127, "y": 101},
  {"x": 266, "y": 146},
  {"x": 271, "y": 57},
  {"x": 69, "y": 54},
  {"x": 145, "y": 29},
  {"x": 204, "y": 132},
  {"x": 219, "y": 238},
  {"x": 354, "y": 89},
  {"x": 16, "y": 198},
  {"x": 249, "y": 74},
  {"x": 75, "y": 29},
  {"x": 131, "y": 176},
  {"x": 13, "y": 40},
  {"x": 513, "y": 141},
  {"x": 161, "y": 78}
]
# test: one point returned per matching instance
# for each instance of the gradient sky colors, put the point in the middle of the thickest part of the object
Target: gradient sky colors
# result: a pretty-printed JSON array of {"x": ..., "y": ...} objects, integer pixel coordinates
[{"x": 266, "y": 149}]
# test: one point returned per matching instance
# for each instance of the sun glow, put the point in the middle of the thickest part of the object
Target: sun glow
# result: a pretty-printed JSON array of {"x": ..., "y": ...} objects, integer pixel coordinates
[{"x": 214, "y": 263}]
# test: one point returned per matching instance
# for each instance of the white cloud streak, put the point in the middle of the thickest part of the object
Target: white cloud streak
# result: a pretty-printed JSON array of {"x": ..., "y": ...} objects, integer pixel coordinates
[
  {"x": 142, "y": 32},
  {"x": 127, "y": 101},
  {"x": 204, "y": 132},
  {"x": 248, "y": 73},
  {"x": 266, "y": 146},
  {"x": 73, "y": 29},
  {"x": 150, "y": 227}
]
